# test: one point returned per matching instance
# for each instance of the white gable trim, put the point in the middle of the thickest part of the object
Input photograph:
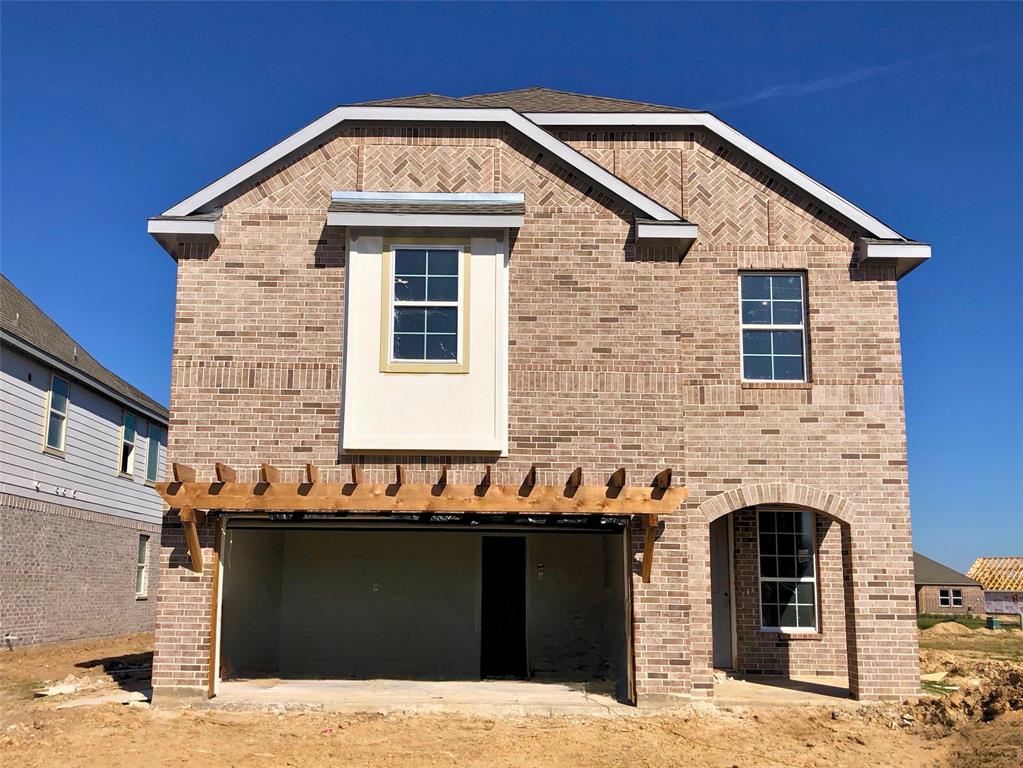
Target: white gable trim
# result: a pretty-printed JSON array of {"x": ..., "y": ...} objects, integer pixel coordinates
[
  {"x": 453, "y": 220},
  {"x": 717, "y": 126},
  {"x": 531, "y": 130}
]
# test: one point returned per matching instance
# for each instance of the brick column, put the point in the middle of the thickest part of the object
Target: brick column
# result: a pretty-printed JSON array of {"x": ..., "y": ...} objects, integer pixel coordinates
[{"x": 698, "y": 595}]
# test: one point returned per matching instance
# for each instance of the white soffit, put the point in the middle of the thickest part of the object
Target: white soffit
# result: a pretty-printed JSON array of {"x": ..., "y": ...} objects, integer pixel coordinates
[
  {"x": 451, "y": 220},
  {"x": 531, "y": 130},
  {"x": 714, "y": 124},
  {"x": 183, "y": 227},
  {"x": 655, "y": 230},
  {"x": 905, "y": 256}
]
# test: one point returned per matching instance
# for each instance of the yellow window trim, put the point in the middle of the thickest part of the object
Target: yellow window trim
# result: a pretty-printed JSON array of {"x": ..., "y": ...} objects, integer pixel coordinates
[{"x": 386, "y": 293}]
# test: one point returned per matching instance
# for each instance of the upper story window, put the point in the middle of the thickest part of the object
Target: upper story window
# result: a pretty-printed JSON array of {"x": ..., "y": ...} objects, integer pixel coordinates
[
  {"x": 126, "y": 465},
  {"x": 56, "y": 414},
  {"x": 427, "y": 301},
  {"x": 788, "y": 574},
  {"x": 773, "y": 320},
  {"x": 153, "y": 453}
]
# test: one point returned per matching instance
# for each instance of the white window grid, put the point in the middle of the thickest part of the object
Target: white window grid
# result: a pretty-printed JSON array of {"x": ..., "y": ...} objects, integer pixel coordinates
[
  {"x": 426, "y": 304},
  {"x": 949, "y": 597},
  {"x": 797, "y": 579},
  {"x": 801, "y": 327}
]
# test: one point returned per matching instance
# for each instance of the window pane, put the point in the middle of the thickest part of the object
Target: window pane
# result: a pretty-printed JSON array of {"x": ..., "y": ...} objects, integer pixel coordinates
[
  {"x": 787, "y": 342},
  {"x": 443, "y": 262},
  {"x": 804, "y": 593},
  {"x": 770, "y": 617},
  {"x": 767, "y": 544},
  {"x": 409, "y": 346},
  {"x": 788, "y": 369},
  {"x": 806, "y": 616},
  {"x": 784, "y": 521},
  {"x": 442, "y": 320},
  {"x": 129, "y": 428},
  {"x": 788, "y": 313},
  {"x": 127, "y": 458},
  {"x": 441, "y": 347},
  {"x": 756, "y": 287},
  {"x": 769, "y": 592},
  {"x": 153, "y": 453},
  {"x": 409, "y": 262},
  {"x": 766, "y": 521},
  {"x": 756, "y": 368},
  {"x": 754, "y": 312},
  {"x": 787, "y": 287},
  {"x": 786, "y": 544},
  {"x": 442, "y": 289},
  {"x": 409, "y": 288},
  {"x": 409, "y": 319},
  {"x": 756, "y": 342},
  {"x": 787, "y": 567},
  {"x": 143, "y": 541},
  {"x": 58, "y": 395},
  {"x": 788, "y": 616},
  {"x": 55, "y": 431},
  {"x": 139, "y": 582},
  {"x": 768, "y": 566}
]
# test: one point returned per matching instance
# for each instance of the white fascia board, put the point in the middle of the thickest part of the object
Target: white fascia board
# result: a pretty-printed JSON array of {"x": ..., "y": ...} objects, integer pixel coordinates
[
  {"x": 424, "y": 220},
  {"x": 646, "y": 230},
  {"x": 530, "y": 129},
  {"x": 726, "y": 132},
  {"x": 904, "y": 256},
  {"x": 192, "y": 228},
  {"x": 451, "y": 198},
  {"x": 73, "y": 373}
]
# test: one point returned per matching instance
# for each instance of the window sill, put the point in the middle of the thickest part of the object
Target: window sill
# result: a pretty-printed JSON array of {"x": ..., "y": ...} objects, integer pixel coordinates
[
  {"x": 139, "y": 598},
  {"x": 124, "y": 476},
  {"x": 55, "y": 452},
  {"x": 793, "y": 634},
  {"x": 776, "y": 384}
]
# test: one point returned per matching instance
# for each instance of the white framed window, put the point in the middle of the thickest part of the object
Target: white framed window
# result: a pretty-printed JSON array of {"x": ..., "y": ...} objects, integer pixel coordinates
[
  {"x": 427, "y": 305},
  {"x": 773, "y": 326},
  {"x": 142, "y": 567},
  {"x": 126, "y": 460},
  {"x": 788, "y": 570},
  {"x": 153, "y": 453},
  {"x": 55, "y": 434},
  {"x": 949, "y": 597}
]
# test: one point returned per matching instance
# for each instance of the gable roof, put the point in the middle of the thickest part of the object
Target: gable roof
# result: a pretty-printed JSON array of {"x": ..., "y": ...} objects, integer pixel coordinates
[
  {"x": 533, "y": 111},
  {"x": 998, "y": 574},
  {"x": 927, "y": 571},
  {"x": 22, "y": 321}
]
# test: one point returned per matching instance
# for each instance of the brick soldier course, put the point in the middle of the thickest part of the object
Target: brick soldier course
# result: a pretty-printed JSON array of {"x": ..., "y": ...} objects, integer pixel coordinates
[{"x": 620, "y": 355}]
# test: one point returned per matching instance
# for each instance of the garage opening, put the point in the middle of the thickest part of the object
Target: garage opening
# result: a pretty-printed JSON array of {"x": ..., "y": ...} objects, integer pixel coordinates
[{"x": 328, "y": 599}]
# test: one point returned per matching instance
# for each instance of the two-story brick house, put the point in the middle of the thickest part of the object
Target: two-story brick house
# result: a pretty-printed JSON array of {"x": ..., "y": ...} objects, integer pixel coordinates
[
  {"x": 81, "y": 451},
  {"x": 452, "y": 347}
]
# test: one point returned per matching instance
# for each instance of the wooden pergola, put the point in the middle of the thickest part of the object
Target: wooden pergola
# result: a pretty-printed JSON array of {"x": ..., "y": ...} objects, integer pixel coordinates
[{"x": 194, "y": 499}]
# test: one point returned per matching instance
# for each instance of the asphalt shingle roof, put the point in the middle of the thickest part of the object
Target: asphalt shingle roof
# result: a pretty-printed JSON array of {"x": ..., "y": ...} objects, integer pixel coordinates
[
  {"x": 927, "y": 571},
  {"x": 534, "y": 99},
  {"x": 23, "y": 319}
]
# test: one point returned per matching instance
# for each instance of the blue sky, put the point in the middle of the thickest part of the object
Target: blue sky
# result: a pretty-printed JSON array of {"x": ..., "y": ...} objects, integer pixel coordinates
[{"x": 112, "y": 112}]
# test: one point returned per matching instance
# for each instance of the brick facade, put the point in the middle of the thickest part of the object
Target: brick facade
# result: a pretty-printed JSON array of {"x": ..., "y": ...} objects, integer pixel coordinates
[
  {"x": 927, "y": 599},
  {"x": 67, "y": 573},
  {"x": 618, "y": 356}
]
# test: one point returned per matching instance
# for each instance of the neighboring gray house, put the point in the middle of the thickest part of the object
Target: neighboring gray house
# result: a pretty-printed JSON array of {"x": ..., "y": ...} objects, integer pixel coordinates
[{"x": 80, "y": 450}]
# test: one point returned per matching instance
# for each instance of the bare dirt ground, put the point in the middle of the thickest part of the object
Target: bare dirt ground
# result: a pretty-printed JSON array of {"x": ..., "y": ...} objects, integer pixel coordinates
[{"x": 974, "y": 718}]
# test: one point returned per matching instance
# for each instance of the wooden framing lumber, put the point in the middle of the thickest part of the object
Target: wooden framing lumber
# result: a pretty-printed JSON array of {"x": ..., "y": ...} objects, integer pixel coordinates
[
  {"x": 663, "y": 479},
  {"x": 269, "y": 473},
  {"x": 312, "y": 474},
  {"x": 575, "y": 480},
  {"x": 187, "y": 516},
  {"x": 617, "y": 479},
  {"x": 649, "y": 537},
  {"x": 421, "y": 497},
  {"x": 356, "y": 474},
  {"x": 183, "y": 473},
  {"x": 225, "y": 474}
]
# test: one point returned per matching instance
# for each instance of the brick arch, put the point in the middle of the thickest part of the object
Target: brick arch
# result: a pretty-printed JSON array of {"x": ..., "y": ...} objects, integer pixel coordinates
[{"x": 779, "y": 493}]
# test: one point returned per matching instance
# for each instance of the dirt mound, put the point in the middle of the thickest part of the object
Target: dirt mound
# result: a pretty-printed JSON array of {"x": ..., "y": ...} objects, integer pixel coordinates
[
  {"x": 948, "y": 628},
  {"x": 998, "y": 691}
]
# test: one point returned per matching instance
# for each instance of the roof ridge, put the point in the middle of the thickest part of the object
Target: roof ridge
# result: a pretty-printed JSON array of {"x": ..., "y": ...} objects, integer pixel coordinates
[{"x": 571, "y": 93}]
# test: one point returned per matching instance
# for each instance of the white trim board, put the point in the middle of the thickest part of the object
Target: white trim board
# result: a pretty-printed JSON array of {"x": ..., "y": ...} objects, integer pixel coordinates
[
  {"x": 451, "y": 220},
  {"x": 531, "y": 130},
  {"x": 727, "y": 133}
]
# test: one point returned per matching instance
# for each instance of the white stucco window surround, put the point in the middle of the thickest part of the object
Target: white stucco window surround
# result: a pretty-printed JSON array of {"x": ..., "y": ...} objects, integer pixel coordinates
[{"x": 455, "y": 397}]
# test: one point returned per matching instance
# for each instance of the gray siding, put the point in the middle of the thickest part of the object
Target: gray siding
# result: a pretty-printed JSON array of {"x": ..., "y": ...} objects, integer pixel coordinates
[{"x": 86, "y": 477}]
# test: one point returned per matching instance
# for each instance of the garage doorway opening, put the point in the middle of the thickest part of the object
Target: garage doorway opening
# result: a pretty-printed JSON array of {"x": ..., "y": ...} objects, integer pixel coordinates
[{"x": 386, "y": 600}]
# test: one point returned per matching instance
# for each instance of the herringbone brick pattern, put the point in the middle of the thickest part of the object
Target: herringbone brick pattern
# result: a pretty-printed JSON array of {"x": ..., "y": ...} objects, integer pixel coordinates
[
  {"x": 390, "y": 168},
  {"x": 656, "y": 172}
]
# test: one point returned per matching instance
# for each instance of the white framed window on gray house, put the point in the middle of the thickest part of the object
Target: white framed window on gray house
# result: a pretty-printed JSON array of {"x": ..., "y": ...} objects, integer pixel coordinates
[
  {"x": 142, "y": 567},
  {"x": 773, "y": 326},
  {"x": 426, "y": 305},
  {"x": 153, "y": 453},
  {"x": 788, "y": 570},
  {"x": 949, "y": 597},
  {"x": 55, "y": 436},
  {"x": 126, "y": 459}
]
